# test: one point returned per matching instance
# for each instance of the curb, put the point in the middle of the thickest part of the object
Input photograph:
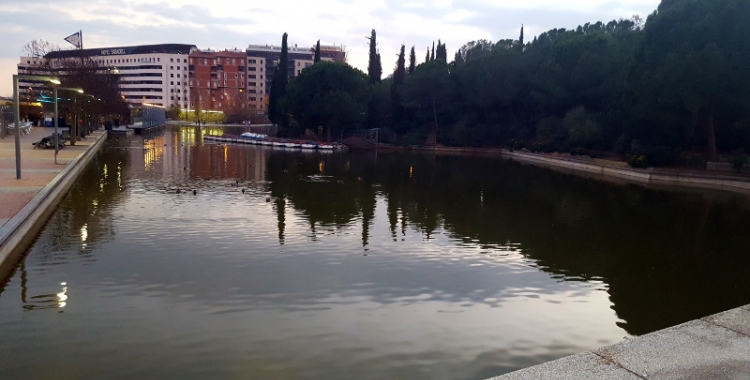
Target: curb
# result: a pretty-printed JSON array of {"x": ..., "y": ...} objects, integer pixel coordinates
[{"x": 18, "y": 233}]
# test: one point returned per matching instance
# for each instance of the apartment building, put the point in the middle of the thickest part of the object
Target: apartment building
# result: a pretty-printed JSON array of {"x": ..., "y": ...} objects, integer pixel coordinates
[
  {"x": 155, "y": 74},
  {"x": 217, "y": 80}
]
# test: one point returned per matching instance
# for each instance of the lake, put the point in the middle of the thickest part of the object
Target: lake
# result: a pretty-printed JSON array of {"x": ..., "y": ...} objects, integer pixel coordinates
[{"x": 175, "y": 259}]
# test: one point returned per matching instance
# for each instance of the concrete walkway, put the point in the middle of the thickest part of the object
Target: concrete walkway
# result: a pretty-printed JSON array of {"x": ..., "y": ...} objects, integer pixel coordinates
[
  {"x": 26, "y": 203},
  {"x": 715, "y": 347}
]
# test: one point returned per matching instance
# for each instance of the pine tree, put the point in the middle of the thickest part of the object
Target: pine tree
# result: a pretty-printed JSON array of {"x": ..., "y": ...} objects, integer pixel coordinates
[
  {"x": 317, "y": 53},
  {"x": 374, "y": 68},
  {"x": 412, "y": 61}
]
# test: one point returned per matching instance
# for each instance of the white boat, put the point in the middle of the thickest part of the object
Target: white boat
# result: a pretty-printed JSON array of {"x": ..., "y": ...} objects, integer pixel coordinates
[
  {"x": 325, "y": 146},
  {"x": 309, "y": 146}
]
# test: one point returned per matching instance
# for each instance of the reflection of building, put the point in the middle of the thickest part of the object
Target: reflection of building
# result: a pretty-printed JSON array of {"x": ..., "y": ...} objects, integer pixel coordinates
[
  {"x": 217, "y": 80},
  {"x": 155, "y": 74}
]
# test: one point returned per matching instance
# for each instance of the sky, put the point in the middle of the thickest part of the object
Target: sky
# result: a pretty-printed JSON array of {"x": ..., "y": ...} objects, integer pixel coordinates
[{"x": 229, "y": 24}]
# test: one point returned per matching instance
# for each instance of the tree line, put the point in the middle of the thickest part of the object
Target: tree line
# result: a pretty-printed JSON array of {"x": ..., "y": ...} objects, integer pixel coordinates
[{"x": 671, "y": 90}]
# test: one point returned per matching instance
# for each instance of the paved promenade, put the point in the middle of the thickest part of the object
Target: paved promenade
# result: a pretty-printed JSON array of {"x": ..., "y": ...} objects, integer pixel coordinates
[
  {"x": 715, "y": 347},
  {"x": 26, "y": 203}
]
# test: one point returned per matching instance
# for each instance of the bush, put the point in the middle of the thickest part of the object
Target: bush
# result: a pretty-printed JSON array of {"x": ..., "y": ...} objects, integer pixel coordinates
[
  {"x": 540, "y": 147},
  {"x": 583, "y": 130},
  {"x": 638, "y": 161},
  {"x": 516, "y": 144},
  {"x": 739, "y": 159},
  {"x": 578, "y": 151}
]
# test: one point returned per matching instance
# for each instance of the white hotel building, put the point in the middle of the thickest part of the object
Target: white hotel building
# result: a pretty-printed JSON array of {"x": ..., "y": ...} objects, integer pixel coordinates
[{"x": 154, "y": 74}]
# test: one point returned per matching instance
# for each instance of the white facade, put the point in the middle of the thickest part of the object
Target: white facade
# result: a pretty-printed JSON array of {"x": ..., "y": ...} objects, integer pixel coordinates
[{"x": 153, "y": 74}]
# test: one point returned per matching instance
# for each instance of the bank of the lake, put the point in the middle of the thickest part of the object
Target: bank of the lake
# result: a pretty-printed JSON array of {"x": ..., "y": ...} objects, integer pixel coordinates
[{"x": 604, "y": 169}]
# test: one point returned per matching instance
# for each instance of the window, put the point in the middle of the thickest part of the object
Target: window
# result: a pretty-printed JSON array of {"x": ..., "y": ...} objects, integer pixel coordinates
[
  {"x": 251, "y": 76},
  {"x": 171, "y": 75},
  {"x": 178, "y": 83},
  {"x": 251, "y": 69},
  {"x": 171, "y": 83},
  {"x": 171, "y": 67},
  {"x": 178, "y": 75},
  {"x": 171, "y": 60},
  {"x": 171, "y": 90}
]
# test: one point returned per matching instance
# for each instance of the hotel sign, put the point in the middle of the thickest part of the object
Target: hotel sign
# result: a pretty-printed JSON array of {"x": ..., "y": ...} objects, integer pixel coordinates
[{"x": 113, "y": 52}]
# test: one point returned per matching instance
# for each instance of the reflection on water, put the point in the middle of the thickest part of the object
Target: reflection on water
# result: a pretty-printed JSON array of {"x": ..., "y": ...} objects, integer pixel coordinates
[{"x": 197, "y": 261}]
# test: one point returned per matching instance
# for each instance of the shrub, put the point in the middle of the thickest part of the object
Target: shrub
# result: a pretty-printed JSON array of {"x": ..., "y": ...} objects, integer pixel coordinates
[
  {"x": 578, "y": 151},
  {"x": 638, "y": 161}
]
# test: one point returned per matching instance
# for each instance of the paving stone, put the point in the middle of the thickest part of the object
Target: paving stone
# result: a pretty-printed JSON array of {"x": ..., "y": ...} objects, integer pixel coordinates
[
  {"x": 585, "y": 366},
  {"x": 694, "y": 350},
  {"x": 736, "y": 320}
]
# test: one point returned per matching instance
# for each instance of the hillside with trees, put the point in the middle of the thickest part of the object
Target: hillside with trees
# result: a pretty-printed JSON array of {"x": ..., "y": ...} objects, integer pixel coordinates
[{"x": 672, "y": 90}]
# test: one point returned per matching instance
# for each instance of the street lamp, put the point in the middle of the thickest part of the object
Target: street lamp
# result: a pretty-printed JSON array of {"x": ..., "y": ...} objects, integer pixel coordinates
[
  {"x": 17, "y": 110},
  {"x": 56, "y": 115}
]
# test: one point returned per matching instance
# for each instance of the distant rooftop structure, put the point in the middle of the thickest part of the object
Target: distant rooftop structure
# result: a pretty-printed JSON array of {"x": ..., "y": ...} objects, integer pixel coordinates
[{"x": 123, "y": 50}]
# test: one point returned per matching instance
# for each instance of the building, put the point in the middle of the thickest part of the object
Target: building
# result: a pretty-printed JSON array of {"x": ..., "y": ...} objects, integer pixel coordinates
[
  {"x": 168, "y": 74},
  {"x": 155, "y": 74},
  {"x": 217, "y": 80},
  {"x": 263, "y": 59}
]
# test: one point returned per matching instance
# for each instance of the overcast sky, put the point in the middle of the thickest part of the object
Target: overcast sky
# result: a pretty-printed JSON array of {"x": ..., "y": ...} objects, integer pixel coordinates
[{"x": 228, "y": 24}]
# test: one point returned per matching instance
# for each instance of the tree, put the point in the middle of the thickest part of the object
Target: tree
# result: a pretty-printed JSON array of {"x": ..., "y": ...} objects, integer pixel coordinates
[
  {"x": 694, "y": 61},
  {"x": 374, "y": 67},
  {"x": 39, "y": 48},
  {"x": 399, "y": 75},
  {"x": 520, "y": 40},
  {"x": 429, "y": 91},
  {"x": 412, "y": 61},
  {"x": 432, "y": 56},
  {"x": 441, "y": 53},
  {"x": 317, "y": 53},
  {"x": 276, "y": 108},
  {"x": 333, "y": 95}
]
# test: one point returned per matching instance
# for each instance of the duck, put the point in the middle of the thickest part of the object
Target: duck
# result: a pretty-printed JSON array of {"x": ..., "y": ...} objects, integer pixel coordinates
[{"x": 195, "y": 192}]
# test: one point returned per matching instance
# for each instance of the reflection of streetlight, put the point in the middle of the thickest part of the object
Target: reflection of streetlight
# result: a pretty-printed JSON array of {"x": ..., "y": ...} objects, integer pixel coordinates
[
  {"x": 17, "y": 110},
  {"x": 57, "y": 148}
]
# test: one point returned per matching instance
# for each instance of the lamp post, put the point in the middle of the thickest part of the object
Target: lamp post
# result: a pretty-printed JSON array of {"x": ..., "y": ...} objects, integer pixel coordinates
[
  {"x": 57, "y": 148},
  {"x": 17, "y": 112}
]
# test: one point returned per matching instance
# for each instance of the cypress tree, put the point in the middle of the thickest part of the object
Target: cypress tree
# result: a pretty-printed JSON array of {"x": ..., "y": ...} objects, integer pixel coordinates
[
  {"x": 520, "y": 40},
  {"x": 398, "y": 80},
  {"x": 432, "y": 57},
  {"x": 412, "y": 61},
  {"x": 276, "y": 110},
  {"x": 374, "y": 68},
  {"x": 317, "y": 53},
  {"x": 427, "y": 57}
]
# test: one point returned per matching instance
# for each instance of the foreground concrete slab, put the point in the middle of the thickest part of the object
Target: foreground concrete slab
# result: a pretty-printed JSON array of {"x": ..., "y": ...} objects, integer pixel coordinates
[
  {"x": 585, "y": 366},
  {"x": 715, "y": 347},
  {"x": 694, "y": 350}
]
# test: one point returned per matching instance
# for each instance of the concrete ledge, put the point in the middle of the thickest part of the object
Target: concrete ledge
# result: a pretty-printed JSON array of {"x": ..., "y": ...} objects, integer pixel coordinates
[
  {"x": 715, "y": 347},
  {"x": 642, "y": 176},
  {"x": 21, "y": 229}
]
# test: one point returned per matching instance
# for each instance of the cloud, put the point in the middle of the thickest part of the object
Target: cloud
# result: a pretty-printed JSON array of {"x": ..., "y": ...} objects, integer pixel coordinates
[{"x": 231, "y": 24}]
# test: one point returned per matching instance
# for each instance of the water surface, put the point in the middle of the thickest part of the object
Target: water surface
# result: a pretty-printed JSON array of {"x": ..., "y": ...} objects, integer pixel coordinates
[{"x": 402, "y": 266}]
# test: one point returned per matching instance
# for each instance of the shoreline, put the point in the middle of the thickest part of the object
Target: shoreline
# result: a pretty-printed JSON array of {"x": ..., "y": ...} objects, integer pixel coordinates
[{"x": 605, "y": 169}]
